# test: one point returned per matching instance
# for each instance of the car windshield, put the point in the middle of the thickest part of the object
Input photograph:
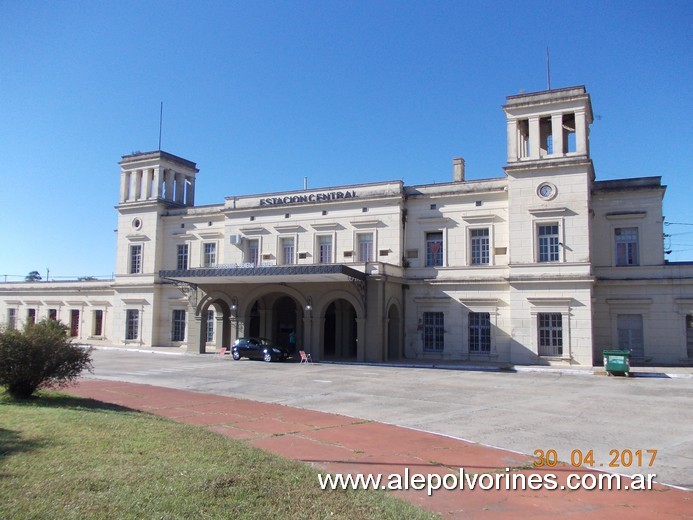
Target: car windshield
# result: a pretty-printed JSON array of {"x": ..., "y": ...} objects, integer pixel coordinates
[{"x": 264, "y": 341}]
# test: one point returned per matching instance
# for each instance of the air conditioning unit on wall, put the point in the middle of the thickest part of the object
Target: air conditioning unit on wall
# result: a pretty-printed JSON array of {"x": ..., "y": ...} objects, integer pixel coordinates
[{"x": 236, "y": 239}]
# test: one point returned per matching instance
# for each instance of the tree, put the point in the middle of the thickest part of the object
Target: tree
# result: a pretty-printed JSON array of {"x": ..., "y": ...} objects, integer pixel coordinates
[
  {"x": 33, "y": 276},
  {"x": 40, "y": 356},
  {"x": 86, "y": 279}
]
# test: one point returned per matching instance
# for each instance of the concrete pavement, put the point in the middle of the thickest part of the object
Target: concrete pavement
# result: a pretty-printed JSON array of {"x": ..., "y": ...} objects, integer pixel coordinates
[{"x": 520, "y": 412}]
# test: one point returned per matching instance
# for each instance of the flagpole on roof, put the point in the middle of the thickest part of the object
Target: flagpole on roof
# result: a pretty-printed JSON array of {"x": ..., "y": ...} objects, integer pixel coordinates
[{"x": 161, "y": 118}]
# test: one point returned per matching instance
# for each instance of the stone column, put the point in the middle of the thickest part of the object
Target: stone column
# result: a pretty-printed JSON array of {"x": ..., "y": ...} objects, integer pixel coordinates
[
  {"x": 190, "y": 191},
  {"x": 168, "y": 184},
  {"x": 158, "y": 182},
  {"x": 580, "y": 133},
  {"x": 138, "y": 185},
  {"x": 307, "y": 344},
  {"x": 534, "y": 144},
  {"x": 124, "y": 186},
  {"x": 180, "y": 185},
  {"x": 360, "y": 339},
  {"x": 557, "y": 134},
  {"x": 513, "y": 138},
  {"x": 148, "y": 178}
]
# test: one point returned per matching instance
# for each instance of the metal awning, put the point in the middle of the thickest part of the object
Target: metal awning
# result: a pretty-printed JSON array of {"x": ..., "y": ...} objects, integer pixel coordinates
[{"x": 265, "y": 274}]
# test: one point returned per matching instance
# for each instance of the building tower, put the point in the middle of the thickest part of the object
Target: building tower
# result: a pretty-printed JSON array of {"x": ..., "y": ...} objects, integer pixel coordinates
[
  {"x": 550, "y": 176},
  {"x": 151, "y": 184}
]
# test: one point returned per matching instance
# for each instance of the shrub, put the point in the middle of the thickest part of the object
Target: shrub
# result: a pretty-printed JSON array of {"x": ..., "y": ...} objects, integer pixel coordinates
[{"x": 41, "y": 356}]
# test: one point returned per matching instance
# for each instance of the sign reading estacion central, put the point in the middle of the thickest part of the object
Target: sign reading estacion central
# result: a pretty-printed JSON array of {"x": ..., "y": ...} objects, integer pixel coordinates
[{"x": 313, "y": 197}]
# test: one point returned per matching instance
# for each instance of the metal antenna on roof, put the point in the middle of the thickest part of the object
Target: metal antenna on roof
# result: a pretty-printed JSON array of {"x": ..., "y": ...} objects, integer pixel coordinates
[
  {"x": 548, "y": 69},
  {"x": 161, "y": 118}
]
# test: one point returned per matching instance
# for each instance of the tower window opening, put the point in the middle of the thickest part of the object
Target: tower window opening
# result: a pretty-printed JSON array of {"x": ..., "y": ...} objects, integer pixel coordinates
[
  {"x": 569, "y": 133},
  {"x": 545, "y": 137}
]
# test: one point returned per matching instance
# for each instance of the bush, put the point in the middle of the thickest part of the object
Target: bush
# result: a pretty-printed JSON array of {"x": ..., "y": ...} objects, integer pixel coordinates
[{"x": 42, "y": 356}]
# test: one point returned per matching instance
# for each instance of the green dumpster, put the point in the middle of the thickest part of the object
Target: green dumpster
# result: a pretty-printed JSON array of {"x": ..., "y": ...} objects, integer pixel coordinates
[{"x": 617, "y": 361}]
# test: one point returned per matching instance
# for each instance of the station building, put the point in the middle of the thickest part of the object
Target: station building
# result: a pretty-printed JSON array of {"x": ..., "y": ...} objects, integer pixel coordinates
[{"x": 545, "y": 265}]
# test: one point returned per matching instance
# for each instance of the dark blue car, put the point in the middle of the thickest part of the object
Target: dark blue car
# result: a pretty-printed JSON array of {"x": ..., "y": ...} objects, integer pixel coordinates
[{"x": 258, "y": 348}]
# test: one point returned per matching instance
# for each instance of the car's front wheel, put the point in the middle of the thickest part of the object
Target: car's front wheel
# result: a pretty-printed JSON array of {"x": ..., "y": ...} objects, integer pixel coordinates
[
  {"x": 236, "y": 356},
  {"x": 268, "y": 357}
]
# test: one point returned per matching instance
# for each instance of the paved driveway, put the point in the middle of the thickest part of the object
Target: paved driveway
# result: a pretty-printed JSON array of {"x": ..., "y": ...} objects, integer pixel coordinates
[{"x": 523, "y": 412}]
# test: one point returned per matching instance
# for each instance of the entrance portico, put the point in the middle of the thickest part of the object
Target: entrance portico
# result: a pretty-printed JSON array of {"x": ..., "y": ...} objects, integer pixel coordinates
[{"x": 321, "y": 307}]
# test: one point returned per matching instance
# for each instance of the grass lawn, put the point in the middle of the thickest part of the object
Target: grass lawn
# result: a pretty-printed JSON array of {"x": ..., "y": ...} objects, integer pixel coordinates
[{"x": 67, "y": 457}]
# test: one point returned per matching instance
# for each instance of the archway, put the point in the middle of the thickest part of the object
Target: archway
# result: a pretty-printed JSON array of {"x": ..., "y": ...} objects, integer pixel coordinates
[
  {"x": 339, "y": 331},
  {"x": 276, "y": 316},
  {"x": 215, "y": 323},
  {"x": 285, "y": 322}
]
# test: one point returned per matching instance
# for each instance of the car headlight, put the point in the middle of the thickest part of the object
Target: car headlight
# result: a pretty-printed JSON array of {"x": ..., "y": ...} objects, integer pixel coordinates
[{"x": 276, "y": 351}]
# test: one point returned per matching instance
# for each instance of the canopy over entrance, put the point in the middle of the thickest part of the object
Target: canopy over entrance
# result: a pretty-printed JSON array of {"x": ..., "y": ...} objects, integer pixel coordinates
[{"x": 265, "y": 274}]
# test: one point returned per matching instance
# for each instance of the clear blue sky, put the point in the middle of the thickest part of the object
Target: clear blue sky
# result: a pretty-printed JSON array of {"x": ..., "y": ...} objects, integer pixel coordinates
[{"x": 260, "y": 94}]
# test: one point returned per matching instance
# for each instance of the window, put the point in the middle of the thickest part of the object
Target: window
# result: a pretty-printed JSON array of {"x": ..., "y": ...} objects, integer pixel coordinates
[
  {"x": 627, "y": 246},
  {"x": 433, "y": 330},
  {"x": 480, "y": 332},
  {"x": 178, "y": 325},
  {"x": 97, "y": 329},
  {"x": 136, "y": 259},
  {"x": 630, "y": 336},
  {"x": 209, "y": 337},
  {"x": 480, "y": 246},
  {"x": 252, "y": 253},
  {"x": 182, "y": 257},
  {"x": 132, "y": 324},
  {"x": 434, "y": 249},
  {"x": 287, "y": 250},
  {"x": 548, "y": 242},
  {"x": 74, "y": 323},
  {"x": 53, "y": 314},
  {"x": 325, "y": 249},
  {"x": 11, "y": 318},
  {"x": 365, "y": 247},
  {"x": 210, "y": 254},
  {"x": 31, "y": 316},
  {"x": 550, "y": 334}
]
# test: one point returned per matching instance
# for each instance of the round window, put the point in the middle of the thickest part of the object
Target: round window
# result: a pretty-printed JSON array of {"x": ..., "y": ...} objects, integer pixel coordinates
[{"x": 137, "y": 223}]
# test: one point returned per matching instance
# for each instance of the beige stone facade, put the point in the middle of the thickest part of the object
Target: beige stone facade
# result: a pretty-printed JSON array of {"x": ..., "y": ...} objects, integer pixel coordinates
[{"x": 543, "y": 266}]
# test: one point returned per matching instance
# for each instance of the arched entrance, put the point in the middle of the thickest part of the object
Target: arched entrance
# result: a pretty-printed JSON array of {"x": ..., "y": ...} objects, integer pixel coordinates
[
  {"x": 393, "y": 328},
  {"x": 277, "y": 317},
  {"x": 339, "y": 331},
  {"x": 216, "y": 322},
  {"x": 285, "y": 321}
]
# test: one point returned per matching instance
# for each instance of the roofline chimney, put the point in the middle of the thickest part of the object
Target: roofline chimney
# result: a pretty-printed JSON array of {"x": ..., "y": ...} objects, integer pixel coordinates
[{"x": 458, "y": 169}]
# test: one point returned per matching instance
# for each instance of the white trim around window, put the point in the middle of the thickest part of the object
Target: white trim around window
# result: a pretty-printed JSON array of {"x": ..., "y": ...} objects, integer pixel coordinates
[
  {"x": 478, "y": 306},
  {"x": 443, "y": 248},
  {"x": 538, "y": 252},
  {"x": 324, "y": 248},
  {"x": 209, "y": 254},
  {"x": 626, "y": 245},
  {"x": 552, "y": 306},
  {"x": 357, "y": 245},
  {"x": 248, "y": 256},
  {"x": 490, "y": 253},
  {"x": 281, "y": 258}
]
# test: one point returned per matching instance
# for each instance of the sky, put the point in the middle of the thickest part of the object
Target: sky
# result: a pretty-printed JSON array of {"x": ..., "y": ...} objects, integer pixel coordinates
[{"x": 261, "y": 94}]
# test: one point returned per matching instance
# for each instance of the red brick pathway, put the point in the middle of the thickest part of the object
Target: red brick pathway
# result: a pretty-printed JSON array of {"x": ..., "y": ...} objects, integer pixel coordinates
[{"x": 338, "y": 444}]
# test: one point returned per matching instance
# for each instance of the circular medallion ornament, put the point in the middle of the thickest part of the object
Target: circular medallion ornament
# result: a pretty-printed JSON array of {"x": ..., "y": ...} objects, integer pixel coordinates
[{"x": 546, "y": 191}]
